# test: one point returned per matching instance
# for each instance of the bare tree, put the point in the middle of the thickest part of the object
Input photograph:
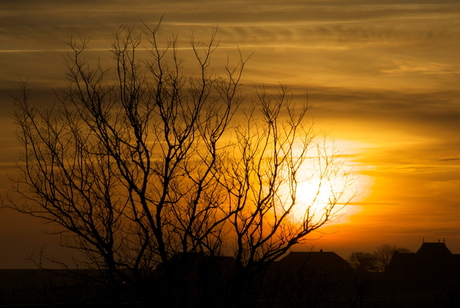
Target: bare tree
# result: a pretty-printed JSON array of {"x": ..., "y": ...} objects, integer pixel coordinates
[
  {"x": 363, "y": 261},
  {"x": 274, "y": 153},
  {"x": 384, "y": 253},
  {"x": 376, "y": 261},
  {"x": 135, "y": 170}
]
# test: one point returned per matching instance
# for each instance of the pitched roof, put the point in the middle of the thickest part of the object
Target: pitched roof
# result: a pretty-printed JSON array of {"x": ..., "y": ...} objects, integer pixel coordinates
[
  {"x": 431, "y": 260},
  {"x": 318, "y": 260},
  {"x": 434, "y": 250}
]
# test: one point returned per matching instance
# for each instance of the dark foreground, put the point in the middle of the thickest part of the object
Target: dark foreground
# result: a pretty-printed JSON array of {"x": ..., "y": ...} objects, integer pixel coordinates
[{"x": 428, "y": 278}]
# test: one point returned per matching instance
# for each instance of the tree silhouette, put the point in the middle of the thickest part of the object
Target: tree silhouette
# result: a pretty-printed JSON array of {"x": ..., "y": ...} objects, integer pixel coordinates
[
  {"x": 363, "y": 261},
  {"x": 384, "y": 253},
  {"x": 376, "y": 261},
  {"x": 135, "y": 166}
]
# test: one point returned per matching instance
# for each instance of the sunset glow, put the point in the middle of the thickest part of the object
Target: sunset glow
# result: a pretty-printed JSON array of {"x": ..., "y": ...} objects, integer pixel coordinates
[
  {"x": 382, "y": 81},
  {"x": 346, "y": 187}
]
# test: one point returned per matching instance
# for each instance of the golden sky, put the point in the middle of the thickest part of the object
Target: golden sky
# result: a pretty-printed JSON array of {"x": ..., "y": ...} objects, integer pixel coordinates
[{"x": 382, "y": 78}]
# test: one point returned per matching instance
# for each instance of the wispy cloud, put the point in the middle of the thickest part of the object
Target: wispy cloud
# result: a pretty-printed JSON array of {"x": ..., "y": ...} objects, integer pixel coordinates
[
  {"x": 408, "y": 67},
  {"x": 384, "y": 74}
]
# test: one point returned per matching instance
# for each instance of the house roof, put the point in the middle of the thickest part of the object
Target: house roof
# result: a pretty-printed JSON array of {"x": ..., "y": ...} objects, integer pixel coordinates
[
  {"x": 432, "y": 259},
  {"x": 434, "y": 250},
  {"x": 312, "y": 259}
]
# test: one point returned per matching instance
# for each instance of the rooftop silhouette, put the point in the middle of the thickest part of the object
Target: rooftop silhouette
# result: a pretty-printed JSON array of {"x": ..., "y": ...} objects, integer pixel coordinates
[{"x": 310, "y": 278}]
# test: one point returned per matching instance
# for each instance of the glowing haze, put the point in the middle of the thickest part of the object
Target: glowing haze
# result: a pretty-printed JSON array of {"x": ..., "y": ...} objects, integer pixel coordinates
[{"x": 382, "y": 80}]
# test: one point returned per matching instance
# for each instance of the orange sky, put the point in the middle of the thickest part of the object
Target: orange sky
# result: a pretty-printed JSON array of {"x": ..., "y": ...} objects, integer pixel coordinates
[{"x": 382, "y": 79}]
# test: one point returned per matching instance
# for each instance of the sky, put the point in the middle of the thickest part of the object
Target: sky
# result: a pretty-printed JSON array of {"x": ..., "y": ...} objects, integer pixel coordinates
[{"x": 382, "y": 79}]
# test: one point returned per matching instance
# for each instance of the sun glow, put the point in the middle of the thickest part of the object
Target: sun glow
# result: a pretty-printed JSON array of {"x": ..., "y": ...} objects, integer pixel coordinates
[
  {"x": 318, "y": 195},
  {"x": 328, "y": 182}
]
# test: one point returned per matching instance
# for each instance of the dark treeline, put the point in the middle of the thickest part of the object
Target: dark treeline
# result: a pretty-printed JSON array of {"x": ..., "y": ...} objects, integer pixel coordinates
[{"x": 426, "y": 278}]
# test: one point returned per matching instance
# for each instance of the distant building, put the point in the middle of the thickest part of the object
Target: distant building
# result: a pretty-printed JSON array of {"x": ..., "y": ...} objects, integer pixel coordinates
[
  {"x": 321, "y": 261},
  {"x": 308, "y": 279},
  {"x": 432, "y": 261}
]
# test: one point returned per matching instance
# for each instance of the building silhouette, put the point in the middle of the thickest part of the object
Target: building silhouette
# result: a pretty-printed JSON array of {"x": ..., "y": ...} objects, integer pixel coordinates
[
  {"x": 429, "y": 277},
  {"x": 433, "y": 260}
]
